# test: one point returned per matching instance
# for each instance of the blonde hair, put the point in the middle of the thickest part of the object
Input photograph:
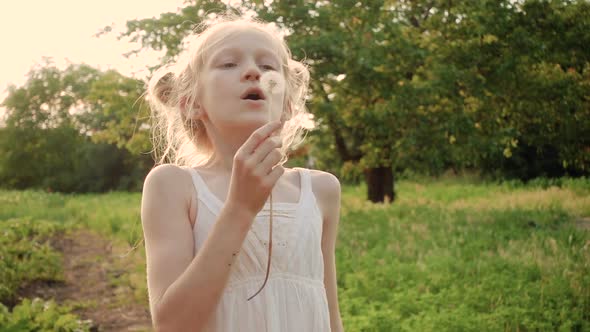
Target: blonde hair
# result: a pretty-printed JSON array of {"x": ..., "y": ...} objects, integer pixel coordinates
[{"x": 173, "y": 89}]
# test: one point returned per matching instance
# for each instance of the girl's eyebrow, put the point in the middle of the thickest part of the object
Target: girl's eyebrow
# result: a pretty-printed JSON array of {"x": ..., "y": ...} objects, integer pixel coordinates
[{"x": 236, "y": 50}]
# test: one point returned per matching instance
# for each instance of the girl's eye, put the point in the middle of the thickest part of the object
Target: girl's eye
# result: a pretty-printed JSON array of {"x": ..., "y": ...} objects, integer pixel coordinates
[
  {"x": 228, "y": 65},
  {"x": 268, "y": 67}
]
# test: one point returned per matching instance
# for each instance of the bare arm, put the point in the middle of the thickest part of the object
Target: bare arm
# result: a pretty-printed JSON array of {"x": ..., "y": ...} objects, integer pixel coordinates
[
  {"x": 172, "y": 272},
  {"x": 328, "y": 193},
  {"x": 184, "y": 291}
]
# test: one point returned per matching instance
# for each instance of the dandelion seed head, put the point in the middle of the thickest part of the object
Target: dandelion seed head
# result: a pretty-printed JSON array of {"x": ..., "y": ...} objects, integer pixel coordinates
[{"x": 272, "y": 82}]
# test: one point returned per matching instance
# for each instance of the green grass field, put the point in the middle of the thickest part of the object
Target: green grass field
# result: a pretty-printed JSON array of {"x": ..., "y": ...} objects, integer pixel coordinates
[{"x": 449, "y": 255}]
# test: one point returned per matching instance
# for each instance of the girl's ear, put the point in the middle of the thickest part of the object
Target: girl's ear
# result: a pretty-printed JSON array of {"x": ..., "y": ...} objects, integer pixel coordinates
[{"x": 194, "y": 111}]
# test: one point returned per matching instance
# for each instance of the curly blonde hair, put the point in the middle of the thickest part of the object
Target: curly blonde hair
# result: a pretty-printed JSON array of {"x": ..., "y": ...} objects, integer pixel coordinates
[{"x": 173, "y": 88}]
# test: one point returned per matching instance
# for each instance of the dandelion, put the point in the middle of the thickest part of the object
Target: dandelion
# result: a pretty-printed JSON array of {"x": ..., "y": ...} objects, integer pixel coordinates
[{"x": 272, "y": 83}]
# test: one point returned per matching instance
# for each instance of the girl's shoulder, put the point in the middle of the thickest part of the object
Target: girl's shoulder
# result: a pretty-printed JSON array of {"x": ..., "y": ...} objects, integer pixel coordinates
[
  {"x": 323, "y": 183},
  {"x": 168, "y": 179},
  {"x": 326, "y": 188},
  {"x": 167, "y": 172},
  {"x": 166, "y": 195}
]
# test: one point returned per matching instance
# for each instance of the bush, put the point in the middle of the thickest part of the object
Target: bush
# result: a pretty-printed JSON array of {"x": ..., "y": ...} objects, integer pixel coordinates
[
  {"x": 39, "y": 315},
  {"x": 26, "y": 255}
]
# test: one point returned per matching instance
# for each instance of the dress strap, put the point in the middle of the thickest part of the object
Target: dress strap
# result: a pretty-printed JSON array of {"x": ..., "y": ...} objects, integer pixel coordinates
[
  {"x": 203, "y": 193},
  {"x": 307, "y": 194},
  {"x": 305, "y": 181}
]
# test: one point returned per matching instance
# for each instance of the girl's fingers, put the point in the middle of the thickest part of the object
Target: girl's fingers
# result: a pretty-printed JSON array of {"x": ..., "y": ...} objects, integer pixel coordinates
[
  {"x": 275, "y": 175},
  {"x": 265, "y": 148},
  {"x": 259, "y": 135},
  {"x": 271, "y": 160}
]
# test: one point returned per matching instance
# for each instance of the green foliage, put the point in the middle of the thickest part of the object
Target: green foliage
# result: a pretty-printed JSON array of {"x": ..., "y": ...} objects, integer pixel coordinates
[
  {"x": 167, "y": 32},
  {"x": 30, "y": 222},
  {"x": 26, "y": 254},
  {"x": 75, "y": 130},
  {"x": 41, "y": 316},
  {"x": 119, "y": 115},
  {"x": 466, "y": 256},
  {"x": 28, "y": 218},
  {"x": 116, "y": 214},
  {"x": 523, "y": 88}
]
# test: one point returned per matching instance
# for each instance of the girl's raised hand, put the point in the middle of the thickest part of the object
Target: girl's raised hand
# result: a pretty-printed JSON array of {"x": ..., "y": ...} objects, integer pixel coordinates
[{"x": 253, "y": 175}]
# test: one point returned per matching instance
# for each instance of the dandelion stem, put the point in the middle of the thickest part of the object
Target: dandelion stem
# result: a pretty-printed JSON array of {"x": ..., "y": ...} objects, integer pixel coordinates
[
  {"x": 270, "y": 90},
  {"x": 269, "y": 252}
]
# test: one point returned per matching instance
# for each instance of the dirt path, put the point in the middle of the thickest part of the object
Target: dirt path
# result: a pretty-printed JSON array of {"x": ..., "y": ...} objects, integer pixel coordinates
[{"x": 89, "y": 263}]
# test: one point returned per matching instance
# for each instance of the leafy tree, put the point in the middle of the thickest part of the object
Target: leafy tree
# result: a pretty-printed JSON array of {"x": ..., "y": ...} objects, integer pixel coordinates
[
  {"x": 516, "y": 73},
  {"x": 122, "y": 114},
  {"x": 77, "y": 129}
]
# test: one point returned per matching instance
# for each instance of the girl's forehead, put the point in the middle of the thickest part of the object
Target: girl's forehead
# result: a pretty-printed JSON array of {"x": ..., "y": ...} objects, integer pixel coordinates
[{"x": 243, "y": 40}]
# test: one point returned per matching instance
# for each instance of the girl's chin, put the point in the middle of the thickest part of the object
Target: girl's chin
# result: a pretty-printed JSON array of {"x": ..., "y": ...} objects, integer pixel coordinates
[{"x": 250, "y": 121}]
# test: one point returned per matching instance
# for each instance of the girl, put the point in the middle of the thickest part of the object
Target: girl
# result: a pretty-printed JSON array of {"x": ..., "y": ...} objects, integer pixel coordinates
[{"x": 204, "y": 217}]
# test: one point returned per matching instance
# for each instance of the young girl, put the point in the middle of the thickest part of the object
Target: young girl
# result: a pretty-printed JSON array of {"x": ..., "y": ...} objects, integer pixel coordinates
[{"x": 205, "y": 217}]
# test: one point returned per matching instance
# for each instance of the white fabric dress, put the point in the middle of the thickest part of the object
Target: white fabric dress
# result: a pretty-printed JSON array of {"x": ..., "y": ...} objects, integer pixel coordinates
[{"x": 294, "y": 298}]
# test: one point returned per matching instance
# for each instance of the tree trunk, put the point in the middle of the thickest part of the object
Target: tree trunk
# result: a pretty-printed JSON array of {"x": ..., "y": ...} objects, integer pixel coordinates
[{"x": 380, "y": 184}]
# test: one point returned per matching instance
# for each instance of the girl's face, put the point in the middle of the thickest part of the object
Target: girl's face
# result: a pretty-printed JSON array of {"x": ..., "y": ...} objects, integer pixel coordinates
[{"x": 230, "y": 93}]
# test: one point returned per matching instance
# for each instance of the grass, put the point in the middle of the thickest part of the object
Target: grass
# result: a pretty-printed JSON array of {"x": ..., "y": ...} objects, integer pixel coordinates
[
  {"x": 456, "y": 256},
  {"x": 449, "y": 255}
]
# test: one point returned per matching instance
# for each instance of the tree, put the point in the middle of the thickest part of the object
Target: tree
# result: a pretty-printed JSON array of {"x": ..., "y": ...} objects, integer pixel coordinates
[
  {"x": 517, "y": 74},
  {"x": 77, "y": 129}
]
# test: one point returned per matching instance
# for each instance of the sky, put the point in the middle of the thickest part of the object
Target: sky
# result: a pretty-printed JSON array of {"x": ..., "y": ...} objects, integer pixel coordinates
[{"x": 65, "y": 29}]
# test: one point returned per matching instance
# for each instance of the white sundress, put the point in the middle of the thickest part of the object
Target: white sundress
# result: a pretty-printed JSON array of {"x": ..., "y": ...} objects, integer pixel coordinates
[{"x": 294, "y": 298}]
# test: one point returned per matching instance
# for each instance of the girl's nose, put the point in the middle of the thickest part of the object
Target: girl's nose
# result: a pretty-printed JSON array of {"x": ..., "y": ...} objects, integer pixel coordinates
[{"x": 252, "y": 73}]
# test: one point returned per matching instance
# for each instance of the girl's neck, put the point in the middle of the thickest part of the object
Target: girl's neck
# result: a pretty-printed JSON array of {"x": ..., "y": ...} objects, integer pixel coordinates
[
  {"x": 226, "y": 142},
  {"x": 219, "y": 165}
]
